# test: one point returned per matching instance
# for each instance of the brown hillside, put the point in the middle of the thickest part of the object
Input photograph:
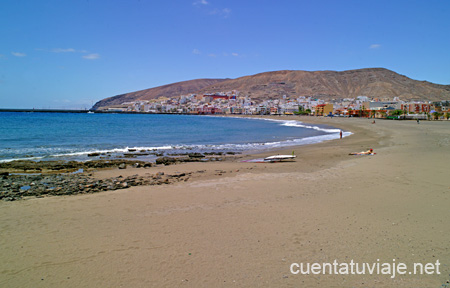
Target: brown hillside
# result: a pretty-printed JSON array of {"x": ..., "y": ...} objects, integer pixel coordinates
[
  {"x": 170, "y": 90},
  {"x": 372, "y": 82}
]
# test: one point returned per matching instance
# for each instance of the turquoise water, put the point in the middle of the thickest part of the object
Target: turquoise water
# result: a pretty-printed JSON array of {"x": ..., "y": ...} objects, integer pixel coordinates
[{"x": 71, "y": 136}]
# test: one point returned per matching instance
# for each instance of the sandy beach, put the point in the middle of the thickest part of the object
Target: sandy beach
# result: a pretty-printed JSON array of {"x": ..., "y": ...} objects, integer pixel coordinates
[{"x": 238, "y": 224}]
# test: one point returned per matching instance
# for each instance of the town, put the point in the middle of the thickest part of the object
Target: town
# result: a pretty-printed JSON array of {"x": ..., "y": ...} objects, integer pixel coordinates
[{"x": 232, "y": 103}]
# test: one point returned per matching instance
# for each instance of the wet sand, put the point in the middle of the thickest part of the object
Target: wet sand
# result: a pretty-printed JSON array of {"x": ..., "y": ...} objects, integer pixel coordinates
[{"x": 243, "y": 224}]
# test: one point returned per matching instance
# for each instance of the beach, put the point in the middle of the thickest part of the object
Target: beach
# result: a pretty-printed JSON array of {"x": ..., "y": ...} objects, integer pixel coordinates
[{"x": 241, "y": 224}]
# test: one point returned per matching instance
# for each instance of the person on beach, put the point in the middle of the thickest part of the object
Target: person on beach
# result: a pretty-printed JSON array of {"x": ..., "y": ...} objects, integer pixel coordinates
[
  {"x": 368, "y": 152},
  {"x": 340, "y": 133}
]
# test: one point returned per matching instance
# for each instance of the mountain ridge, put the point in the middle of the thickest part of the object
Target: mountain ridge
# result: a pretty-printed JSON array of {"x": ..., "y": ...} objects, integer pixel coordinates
[
  {"x": 168, "y": 90},
  {"x": 378, "y": 83}
]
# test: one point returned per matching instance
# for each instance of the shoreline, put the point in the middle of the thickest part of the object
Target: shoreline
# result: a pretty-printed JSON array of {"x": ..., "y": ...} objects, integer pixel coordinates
[{"x": 238, "y": 223}]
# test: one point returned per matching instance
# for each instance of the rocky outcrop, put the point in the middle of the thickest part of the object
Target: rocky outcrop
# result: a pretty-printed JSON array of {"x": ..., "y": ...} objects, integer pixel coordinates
[
  {"x": 166, "y": 160},
  {"x": 16, "y": 187},
  {"x": 23, "y": 166}
]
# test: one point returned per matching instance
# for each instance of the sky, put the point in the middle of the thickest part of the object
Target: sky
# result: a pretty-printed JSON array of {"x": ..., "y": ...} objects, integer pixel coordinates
[{"x": 69, "y": 54}]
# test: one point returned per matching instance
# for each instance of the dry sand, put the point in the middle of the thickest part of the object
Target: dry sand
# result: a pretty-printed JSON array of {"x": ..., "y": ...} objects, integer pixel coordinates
[{"x": 243, "y": 224}]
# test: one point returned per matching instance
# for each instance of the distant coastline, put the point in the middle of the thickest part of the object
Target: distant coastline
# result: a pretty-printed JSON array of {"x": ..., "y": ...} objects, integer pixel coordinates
[
  {"x": 43, "y": 110},
  {"x": 81, "y": 111}
]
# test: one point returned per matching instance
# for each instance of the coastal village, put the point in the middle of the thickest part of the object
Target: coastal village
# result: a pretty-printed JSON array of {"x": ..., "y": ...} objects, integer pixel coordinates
[{"x": 233, "y": 103}]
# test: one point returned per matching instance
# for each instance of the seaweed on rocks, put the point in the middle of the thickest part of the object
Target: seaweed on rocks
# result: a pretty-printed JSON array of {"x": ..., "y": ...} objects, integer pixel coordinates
[
  {"x": 16, "y": 187},
  {"x": 23, "y": 166}
]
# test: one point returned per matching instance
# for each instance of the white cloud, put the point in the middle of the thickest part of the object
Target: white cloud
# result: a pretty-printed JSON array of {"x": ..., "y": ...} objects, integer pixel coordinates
[
  {"x": 201, "y": 2},
  {"x": 215, "y": 55},
  {"x": 61, "y": 50},
  {"x": 88, "y": 56},
  {"x": 212, "y": 9},
  {"x": 67, "y": 50},
  {"x": 18, "y": 54},
  {"x": 92, "y": 56},
  {"x": 225, "y": 13},
  {"x": 375, "y": 46}
]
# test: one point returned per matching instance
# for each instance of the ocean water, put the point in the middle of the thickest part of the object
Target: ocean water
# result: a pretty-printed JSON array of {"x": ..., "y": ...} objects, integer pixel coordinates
[{"x": 72, "y": 136}]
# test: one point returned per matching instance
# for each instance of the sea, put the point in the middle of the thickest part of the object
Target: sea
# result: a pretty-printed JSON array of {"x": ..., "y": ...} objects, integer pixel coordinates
[{"x": 73, "y": 136}]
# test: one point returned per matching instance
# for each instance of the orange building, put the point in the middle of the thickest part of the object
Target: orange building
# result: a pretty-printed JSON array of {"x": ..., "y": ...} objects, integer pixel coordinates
[{"x": 323, "y": 109}]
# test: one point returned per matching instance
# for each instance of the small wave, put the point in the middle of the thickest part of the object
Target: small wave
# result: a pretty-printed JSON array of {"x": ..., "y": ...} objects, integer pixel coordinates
[
  {"x": 114, "y": 150},
  {"x": 266, "y": 145},
  {"x": 85, "y": 153},
  {"x": 19, "y": 159},
  {"x": 294, "y": 123}
]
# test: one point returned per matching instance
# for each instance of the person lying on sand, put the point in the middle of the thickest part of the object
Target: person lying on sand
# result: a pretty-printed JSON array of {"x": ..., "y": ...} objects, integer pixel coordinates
[{"x": 368, "y": 152}]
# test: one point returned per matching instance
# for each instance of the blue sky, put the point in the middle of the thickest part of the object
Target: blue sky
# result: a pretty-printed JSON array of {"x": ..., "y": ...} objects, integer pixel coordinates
[{"x": 72, "y": 53}]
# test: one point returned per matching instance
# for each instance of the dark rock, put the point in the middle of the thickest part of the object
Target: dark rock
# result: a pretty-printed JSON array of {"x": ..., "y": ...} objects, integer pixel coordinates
[
  {"x": 178, "y": 175},
  {"x": 129, "y": 155},
  {"x": 165, "y": 160},
  {"x": 196, "y": 155},
  {"x": 93, "y": 154}
]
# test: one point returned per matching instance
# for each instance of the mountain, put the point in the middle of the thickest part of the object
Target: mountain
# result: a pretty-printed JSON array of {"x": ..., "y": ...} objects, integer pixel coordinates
[
  {"x": 372, "y": 82},
  {"x": 170, "y": 90}
]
